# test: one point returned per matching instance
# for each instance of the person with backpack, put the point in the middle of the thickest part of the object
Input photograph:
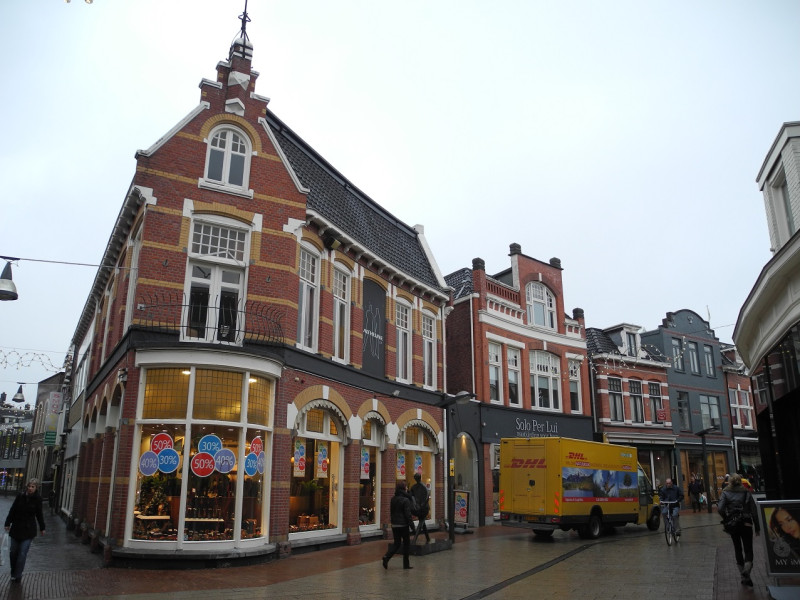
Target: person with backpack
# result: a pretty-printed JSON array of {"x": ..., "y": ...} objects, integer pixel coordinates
[
  {"x": 739, "y": 518},
  {"x": 419, "y": 494}
]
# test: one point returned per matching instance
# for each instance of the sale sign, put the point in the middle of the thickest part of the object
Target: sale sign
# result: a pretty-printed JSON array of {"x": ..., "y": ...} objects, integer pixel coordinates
[
  {"x": 299, "y": 458},
  {"x": 160, "y": 441},
  {"x": 401, "y": 466},
  {"x": 322, "y": 460},
  {"x": 364, "y": 463}
]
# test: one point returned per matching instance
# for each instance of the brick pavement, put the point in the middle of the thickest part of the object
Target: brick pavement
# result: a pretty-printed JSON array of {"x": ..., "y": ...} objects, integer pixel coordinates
[{"x": 494, "y": 562}]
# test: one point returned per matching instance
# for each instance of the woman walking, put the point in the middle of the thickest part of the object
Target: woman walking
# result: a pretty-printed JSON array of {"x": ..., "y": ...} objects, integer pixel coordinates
[
  {"x": 740, "y": 517},
  {"x": 21, "y": 526}
]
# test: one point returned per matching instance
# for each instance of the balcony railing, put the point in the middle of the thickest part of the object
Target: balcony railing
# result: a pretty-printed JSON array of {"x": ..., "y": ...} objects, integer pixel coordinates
[{"x": 223, "y": 322}]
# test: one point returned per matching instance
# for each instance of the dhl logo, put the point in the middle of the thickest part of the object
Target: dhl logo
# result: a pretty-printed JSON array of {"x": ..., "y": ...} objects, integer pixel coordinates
[
  {"x": 576, "y": 456},
  {"x": 528, "y": 463}
]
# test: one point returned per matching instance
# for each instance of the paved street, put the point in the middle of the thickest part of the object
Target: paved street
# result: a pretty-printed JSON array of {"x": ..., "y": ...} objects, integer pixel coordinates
[{"x": 493, "y": 563}]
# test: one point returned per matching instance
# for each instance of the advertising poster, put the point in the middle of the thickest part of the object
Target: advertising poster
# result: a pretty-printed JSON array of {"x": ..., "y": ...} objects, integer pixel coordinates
[
  {"x": 462, "y": 507},
  {"x": 321, "y": 470},
  {"x": 373, "y": 356},
  {"x": 599, "y": 485},
  {"x": 299, "y": 467},
  {"x": 781, "y": 534},
  {"x": 418, "y": 463}
]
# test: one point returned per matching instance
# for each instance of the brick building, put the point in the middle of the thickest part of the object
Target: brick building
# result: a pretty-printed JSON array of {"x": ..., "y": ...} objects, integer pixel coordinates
[
  {"x": 630, "y": 396},
  {"x": 261, "y": 355},
  {"x": 512, "y": 344}
]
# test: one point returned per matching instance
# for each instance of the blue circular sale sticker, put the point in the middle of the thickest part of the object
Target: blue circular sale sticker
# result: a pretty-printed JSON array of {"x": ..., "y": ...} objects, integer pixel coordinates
[
  {"x": 168, "y": 460},
  {"x": 251, "y": 464},
  {"x": 260, "y": 463},
  {"x": 209, "y": 443},
  {"x": 148, "y": 463}
]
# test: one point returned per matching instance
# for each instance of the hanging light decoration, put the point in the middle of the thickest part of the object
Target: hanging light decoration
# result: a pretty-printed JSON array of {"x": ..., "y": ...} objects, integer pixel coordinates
[{"x": 18, "y": 397}]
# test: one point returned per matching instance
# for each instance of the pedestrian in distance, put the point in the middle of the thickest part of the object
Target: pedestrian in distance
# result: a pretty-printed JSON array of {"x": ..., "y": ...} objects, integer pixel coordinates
[
  {"x": 740, "y": 517},
  {"x": 420, "y": 494},
  {"x": 695, "y": 489},
  {"x": 402, "y": 524},
  {"x": 21, "y": 526},
  {"x": 673, "y": 493}
]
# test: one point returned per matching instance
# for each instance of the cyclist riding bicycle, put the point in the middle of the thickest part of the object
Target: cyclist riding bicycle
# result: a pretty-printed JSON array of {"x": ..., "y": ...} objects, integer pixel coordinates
[{"x": 673, "y": 495}]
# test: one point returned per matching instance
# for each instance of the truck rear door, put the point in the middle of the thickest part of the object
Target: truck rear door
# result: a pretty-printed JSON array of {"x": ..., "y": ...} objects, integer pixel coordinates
[{"x": 530, "y": 482}]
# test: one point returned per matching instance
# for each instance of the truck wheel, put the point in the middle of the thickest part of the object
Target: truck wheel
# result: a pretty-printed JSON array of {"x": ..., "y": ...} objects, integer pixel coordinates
[
  {"x": 543, "y": 533},
  {"x": 592, "y": 530},
  {"x": 654, "y": 522}
]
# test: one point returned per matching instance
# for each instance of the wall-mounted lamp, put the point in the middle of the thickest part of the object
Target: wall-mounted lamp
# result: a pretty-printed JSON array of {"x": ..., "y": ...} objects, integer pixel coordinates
[
  {"x": 396, "y": 393},
  {"x": 8, "y": 291},
  {"x": 331, "y": 242}
]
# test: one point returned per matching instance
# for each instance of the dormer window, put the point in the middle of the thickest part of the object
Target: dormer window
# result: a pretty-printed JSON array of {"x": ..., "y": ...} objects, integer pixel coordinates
[
  {"x": 632, "y": 349},
  {"x": 228, "y": 159},
  {"x": 541, "y": 306}
]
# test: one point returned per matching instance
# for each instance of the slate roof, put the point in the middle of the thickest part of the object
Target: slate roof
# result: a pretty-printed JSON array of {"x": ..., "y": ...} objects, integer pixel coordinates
[
  {"x": 461, "y": 282},
  {"x": 598, "y": 342},
  {"x": 353, "y": 212}
]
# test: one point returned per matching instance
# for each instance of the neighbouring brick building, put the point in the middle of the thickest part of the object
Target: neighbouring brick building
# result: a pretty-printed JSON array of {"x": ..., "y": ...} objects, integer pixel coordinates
[
  {"x": 260, "y": 359},
  {"x": 630, "y": 396},
  {"x": 512, "y": 344}
]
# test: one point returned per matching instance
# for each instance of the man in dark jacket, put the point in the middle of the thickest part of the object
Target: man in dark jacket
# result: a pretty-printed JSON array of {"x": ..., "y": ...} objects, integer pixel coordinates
[
  {"x": 736, "y": 501},
  {"x": 673, "y": 496},
  {"x": 21, "y": 526},
  {"x": 402, "y": 524},
  {"x": 420, "y": 492}
]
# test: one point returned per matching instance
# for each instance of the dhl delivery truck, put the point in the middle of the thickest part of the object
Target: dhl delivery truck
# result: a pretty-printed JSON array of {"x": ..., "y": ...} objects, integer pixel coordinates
[{"x": 561, "y": 483}]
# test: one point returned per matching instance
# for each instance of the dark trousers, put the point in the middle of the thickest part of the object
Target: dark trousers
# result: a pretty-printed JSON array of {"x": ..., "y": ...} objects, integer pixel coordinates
[
  {"x": 742, "y": 538},
  {"x": 17, "y": 555},
  {"x": 401, "y": 536}
]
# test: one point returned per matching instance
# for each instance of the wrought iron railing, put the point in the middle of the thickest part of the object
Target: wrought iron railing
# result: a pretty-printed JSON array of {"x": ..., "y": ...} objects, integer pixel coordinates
[{"x": 224, "y": 320}]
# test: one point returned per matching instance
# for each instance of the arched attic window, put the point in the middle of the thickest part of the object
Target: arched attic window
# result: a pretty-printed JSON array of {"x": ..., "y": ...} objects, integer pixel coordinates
[{"x": 228, "y": 158}]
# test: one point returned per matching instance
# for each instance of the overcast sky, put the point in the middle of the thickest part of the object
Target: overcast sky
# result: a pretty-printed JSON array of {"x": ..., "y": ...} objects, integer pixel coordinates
[{"x": 623, "y": 137}]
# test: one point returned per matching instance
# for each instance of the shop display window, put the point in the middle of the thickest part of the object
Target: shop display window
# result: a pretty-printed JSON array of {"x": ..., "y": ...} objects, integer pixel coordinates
[
  {"x": 416, "y": 456},
  {"x": 202, "y": 481},
  {"x": 158, "y": 483},
  {"x": 314, "y": 494},
  {"x": 369, "y": 478}
]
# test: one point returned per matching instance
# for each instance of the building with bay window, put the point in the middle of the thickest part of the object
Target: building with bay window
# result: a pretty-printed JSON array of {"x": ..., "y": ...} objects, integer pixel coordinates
[
  {"x": 260, "y": 358},
  {"x": 512, "y": 344}
]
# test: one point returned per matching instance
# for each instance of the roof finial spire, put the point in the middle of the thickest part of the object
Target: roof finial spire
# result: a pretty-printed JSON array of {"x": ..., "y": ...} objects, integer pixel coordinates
[
  {"x": 241, "y": 46},
  {"x": 245, "y": 20}
]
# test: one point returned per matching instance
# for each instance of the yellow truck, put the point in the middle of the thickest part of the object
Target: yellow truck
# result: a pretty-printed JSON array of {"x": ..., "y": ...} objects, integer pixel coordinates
[{"x": 561, "y": 483}]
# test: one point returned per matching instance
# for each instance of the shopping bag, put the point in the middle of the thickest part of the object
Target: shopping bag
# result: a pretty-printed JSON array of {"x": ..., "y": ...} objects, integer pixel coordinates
[{"x": 3, "y": 549}]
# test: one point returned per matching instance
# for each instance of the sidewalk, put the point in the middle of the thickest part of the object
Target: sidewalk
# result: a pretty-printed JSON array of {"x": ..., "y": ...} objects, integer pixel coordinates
[{"x": 493, "y": 562}]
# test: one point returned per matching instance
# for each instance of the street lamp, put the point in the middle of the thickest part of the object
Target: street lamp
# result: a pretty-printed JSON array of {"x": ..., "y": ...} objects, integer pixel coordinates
[
  {"x": 8, "y": 291},
  {"x": 447, "y": 402},
  {"x": 702, "y": 435}
]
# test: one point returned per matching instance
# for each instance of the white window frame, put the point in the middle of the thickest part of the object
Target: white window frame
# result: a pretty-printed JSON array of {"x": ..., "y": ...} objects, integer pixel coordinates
[
  {"x": 708, "y": 357},
  {"x": 513, "y": 359},
  {"x": 135, "y": 249},
  {"x": 656, "y": 402},
  {"x": 546, "y": 365},
  {"x": 694, "y": 359},
  {"x": 538, "y": 295},
  {"x": 616, "y": 406},
  {"x": 677, "y": 355},
  {"x": 574, "y": 368},
  {"x": 403, "y": 315},
  {"x": 308, "y": 299},
  {"x": 709, "y": 411},
  {"x": 429, "y": 370},
  {"x": 636, "y": 400},
  {"x": 228, "y": 152},
  {"x": 341, "y": 314},
  {"x": 220, "y": 246},
  {"x": 496, "y": 372}
]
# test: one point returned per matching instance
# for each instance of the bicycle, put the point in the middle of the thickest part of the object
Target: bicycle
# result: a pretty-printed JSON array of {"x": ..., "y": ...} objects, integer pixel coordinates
[{"x": 669, "y": 522}]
